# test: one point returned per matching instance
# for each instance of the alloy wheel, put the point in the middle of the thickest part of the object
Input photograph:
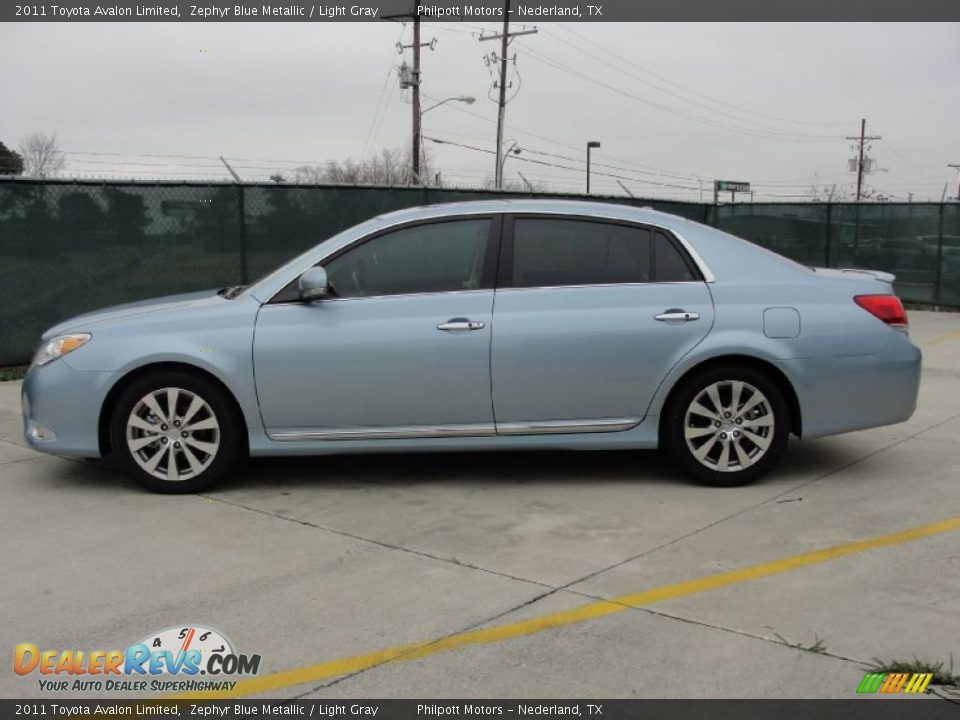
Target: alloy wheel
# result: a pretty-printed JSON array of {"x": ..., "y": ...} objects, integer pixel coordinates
[
  {"x": 729, "y": 426},
  {"x": 173, "y": 434}
]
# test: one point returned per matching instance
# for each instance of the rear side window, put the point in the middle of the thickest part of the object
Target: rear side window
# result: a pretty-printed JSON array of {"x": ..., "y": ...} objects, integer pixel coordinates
[
  {"x": 669, "y": 264},
  {"x": 551, "y": 252}
]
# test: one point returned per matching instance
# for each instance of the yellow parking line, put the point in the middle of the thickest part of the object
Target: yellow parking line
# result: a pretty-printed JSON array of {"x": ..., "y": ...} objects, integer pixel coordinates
[
  {"x": 944, "y": 338},
  {"x": 483, "y": 636}
]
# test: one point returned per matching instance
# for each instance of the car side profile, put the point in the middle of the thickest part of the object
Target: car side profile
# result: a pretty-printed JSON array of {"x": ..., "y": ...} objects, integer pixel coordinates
[{"x": 504, "y": 324}]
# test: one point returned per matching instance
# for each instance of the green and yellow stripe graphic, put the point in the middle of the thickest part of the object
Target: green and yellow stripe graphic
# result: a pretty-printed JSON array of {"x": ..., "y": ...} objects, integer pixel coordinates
[{"x": 894, "y": 682}]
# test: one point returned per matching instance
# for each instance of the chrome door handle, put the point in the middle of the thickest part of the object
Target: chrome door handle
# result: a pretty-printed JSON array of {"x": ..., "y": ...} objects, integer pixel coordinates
[
  {"x": 677, "y": 315},
  {"x": 461, "y": 324}
]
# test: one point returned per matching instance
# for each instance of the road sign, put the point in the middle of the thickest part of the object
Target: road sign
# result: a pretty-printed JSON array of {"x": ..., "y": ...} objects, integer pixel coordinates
[{"x": 732, "y": 186}]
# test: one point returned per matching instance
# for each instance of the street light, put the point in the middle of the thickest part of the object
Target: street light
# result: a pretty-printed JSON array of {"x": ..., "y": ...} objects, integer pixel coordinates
[
  {"x": 418, "y": 130},
  {"x": 590, "y": 146},
  {"x": 468, "y": 99}
]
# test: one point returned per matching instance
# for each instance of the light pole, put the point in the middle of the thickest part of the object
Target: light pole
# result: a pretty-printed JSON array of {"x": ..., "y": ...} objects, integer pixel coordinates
[
  {"x": 590, "y": 146},
  {"x": 515, "y": 149},
  {"x": 468, "y": 99}
]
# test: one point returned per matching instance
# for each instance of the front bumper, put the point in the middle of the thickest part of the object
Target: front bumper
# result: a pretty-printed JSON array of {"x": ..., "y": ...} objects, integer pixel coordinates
[{"x": 61, "y": 409}]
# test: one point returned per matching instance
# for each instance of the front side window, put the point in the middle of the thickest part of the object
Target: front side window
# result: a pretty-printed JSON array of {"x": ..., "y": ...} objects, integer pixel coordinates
[
  {"x": 552, "y": 252},
  {"x": 437, "y": 257}
]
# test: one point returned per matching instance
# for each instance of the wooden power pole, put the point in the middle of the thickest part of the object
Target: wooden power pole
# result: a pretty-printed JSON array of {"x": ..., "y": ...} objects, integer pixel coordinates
[
  {"x": 862, "y": 139},
  {"x": 415, "y": 159},
  {"x": 504, "y": 38}
]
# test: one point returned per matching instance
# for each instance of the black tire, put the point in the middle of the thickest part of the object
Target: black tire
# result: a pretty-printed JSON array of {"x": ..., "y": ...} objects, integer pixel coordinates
[
  {"x": 770, "y": 447},
  {"x": 227, "y": 437}
]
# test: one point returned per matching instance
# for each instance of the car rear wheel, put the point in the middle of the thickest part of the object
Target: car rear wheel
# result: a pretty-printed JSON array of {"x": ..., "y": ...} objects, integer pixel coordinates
[
  {"x": 727, "y": 426},
  {"x": 175, "y": 432}
]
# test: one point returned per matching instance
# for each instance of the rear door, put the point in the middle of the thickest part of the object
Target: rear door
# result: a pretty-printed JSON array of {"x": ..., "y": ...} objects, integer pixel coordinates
[{"x": 589, "y": 317}]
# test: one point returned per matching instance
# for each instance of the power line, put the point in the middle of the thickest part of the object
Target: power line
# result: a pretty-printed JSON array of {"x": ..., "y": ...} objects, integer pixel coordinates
[
  {"x": 665, "y": 90},
  {"x": 380, "y": 99},
  {"x": 565, "y": 167},
  {"x": 513, "y": 129},
  {"x": 766, "y": 134},
  {"x": 567, "y": 28}
]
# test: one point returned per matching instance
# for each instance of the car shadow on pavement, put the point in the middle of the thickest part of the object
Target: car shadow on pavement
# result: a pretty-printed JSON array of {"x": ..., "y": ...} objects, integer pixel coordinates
[
  {"x": 510, "y": 467},
  {"x": 464, "y": 468},
  {"x": 479, "y": 468}
]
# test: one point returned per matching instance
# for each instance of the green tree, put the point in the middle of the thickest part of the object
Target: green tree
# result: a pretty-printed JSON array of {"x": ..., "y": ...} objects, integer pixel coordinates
[
  {"x": 126, "y": 215},
  {"x": 80, "y": 218},
  {"x": 11, "y": 163}
]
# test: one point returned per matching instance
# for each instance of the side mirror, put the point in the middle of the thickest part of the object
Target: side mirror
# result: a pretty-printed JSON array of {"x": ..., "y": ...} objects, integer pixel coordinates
[{"x": 313, "y": 284}]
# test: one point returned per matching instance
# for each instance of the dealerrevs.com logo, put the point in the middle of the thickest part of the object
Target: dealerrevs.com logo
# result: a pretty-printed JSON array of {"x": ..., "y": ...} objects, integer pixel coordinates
[{"x": 172, "y": 660}]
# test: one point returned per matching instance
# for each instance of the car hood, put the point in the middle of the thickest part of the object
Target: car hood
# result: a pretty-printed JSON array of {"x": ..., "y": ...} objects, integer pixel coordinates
[{"x": 81, "y": 323}]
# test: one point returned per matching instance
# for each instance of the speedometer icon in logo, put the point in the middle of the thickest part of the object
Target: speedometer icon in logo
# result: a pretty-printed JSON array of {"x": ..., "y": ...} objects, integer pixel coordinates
[
  {"x": 189, "y": 650},
  {"x": 180, "y": 640}
]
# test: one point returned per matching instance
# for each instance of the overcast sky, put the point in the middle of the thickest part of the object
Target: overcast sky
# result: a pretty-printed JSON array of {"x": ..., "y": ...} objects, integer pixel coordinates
[{"x": 672, "y": 104}]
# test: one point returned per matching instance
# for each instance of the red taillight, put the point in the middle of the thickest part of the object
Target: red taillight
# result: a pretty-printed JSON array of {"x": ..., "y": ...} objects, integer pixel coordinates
[{"x": 885, "y": 307}]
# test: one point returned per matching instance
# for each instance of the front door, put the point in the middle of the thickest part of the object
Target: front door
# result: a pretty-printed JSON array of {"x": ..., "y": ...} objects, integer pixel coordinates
[
  {"x": 401, "y": 348},
  {"x": 590, "y": 317}
]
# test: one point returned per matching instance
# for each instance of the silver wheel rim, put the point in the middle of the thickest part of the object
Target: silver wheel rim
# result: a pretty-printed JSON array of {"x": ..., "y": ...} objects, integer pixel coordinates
[
  {"x": 173, "y": 434},
  {"x": 729, "y": 426}
]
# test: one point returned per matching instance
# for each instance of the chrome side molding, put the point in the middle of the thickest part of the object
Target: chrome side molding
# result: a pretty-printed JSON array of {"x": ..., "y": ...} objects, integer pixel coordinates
[
  {"x": 553, "y": 427},
  {"x": 411, "y": 432},
  {"x": 406, "y": 432}
]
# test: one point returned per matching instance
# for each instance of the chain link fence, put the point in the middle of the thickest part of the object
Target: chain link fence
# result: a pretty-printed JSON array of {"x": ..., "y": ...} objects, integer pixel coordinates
[{"x": 71, "y": 247}]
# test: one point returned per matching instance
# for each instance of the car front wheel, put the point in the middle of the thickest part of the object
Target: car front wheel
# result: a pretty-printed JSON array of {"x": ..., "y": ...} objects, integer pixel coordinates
[
  {"x": 175, "y": 432},
  {"x": 727, "y": 426}
]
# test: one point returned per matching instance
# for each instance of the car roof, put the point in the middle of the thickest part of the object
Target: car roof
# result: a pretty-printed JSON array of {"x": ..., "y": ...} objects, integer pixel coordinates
[
  {"x": 716, "y": 253},
  {"x": 521, "y": 205}
]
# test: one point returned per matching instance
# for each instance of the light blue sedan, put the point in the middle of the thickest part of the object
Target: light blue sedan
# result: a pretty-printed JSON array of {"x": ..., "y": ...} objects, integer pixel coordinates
[{"x": 496, "y": 325}]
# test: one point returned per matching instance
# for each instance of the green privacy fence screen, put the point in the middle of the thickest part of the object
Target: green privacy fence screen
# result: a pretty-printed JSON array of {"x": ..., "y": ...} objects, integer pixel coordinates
[{"x": 70, "y": 247}]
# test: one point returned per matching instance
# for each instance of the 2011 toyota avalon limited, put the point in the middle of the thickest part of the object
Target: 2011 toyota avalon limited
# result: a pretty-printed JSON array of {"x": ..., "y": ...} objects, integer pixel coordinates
[{"x": 504, "y": 324}]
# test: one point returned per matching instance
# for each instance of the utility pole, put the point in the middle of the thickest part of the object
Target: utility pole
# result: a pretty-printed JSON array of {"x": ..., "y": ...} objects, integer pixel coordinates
[
  {"x": 504, "y": 38},
  {"x": 864, "y": 138},
  {"x": 416, "y": 98},
  {"x": 410, "y": 78},
  {"x": 956, "y": 166},
  {"x": 502, "y": 104}
]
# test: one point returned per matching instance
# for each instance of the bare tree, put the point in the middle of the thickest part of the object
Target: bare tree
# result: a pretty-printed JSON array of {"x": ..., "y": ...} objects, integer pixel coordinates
[
  {"x": 390, "y": 167},
  {"x": 41, "y": 154},
  {"x": 827, "y": 193}
]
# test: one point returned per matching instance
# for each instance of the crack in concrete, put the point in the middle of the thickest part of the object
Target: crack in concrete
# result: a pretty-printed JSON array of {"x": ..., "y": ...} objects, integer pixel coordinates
[
  {"x": 21, "y": 460},
  {"x": 379, "y": 543}
]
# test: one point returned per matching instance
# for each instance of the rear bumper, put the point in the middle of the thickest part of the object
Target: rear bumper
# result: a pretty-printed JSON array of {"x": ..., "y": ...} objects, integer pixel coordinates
[
  {"x": 61, "y": 409},
  {"x": 855, "y": 392}
]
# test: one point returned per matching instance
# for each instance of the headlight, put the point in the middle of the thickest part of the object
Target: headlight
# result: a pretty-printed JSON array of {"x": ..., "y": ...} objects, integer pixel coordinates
[{"x": 58, "y": 346}]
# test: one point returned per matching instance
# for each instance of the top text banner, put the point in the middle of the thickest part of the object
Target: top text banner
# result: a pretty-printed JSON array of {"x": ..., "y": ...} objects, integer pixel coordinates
[{"x": 520, "y": 11}]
